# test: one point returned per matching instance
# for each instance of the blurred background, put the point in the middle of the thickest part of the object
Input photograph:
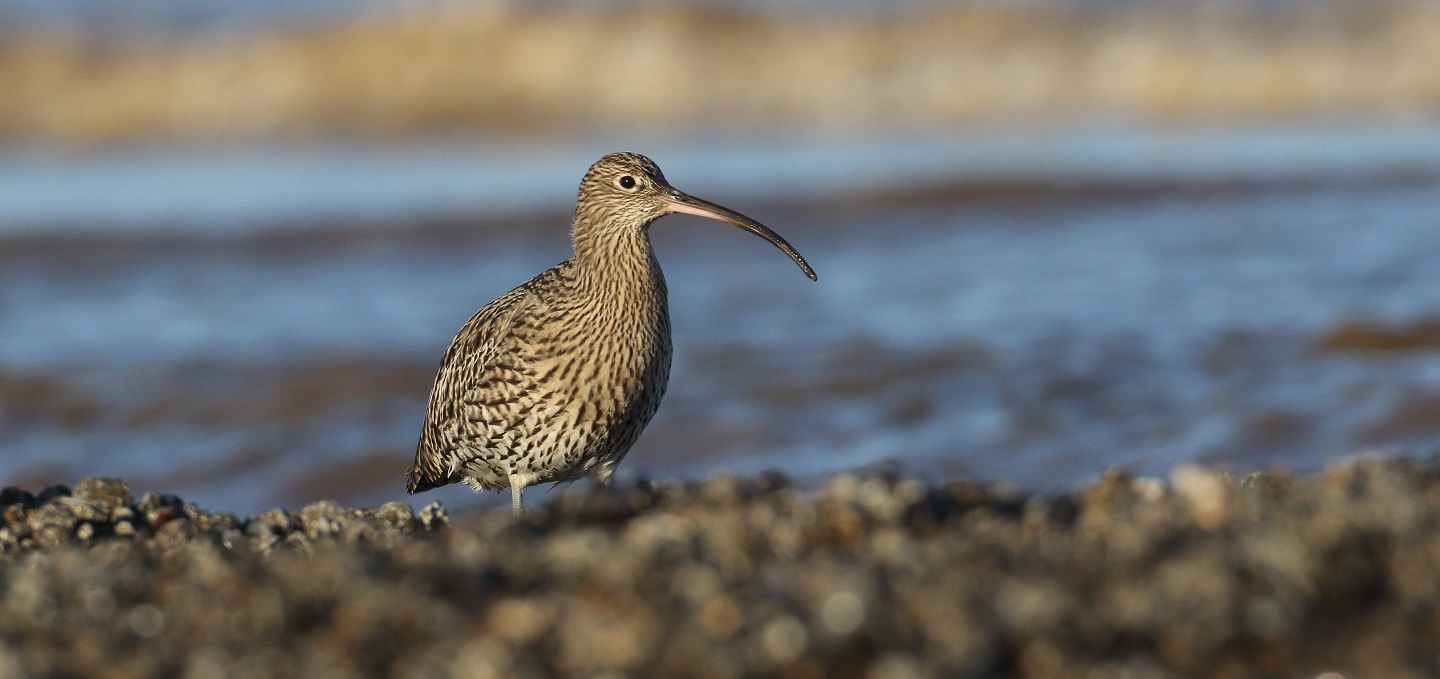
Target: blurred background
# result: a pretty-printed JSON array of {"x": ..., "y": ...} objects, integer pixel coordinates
[{"x": 1052, "y": 237}]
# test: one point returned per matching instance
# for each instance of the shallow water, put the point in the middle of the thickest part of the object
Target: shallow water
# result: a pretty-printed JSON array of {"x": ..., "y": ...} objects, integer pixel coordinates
[{"x": 249, "y": 327}]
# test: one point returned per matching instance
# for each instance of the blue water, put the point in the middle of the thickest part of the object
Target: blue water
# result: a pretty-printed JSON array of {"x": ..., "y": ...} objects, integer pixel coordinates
[
  {"x": 103, "y": 16},
  {"x": 186, "y": 189},
  {"x": 253, "y": 326}
]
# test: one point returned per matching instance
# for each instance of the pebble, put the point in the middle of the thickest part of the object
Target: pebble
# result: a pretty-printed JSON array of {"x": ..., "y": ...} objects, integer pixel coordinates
[{"x": 870, "y": 575}]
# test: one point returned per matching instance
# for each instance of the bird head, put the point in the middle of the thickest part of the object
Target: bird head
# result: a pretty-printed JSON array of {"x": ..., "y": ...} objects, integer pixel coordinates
[{"x": 628, "y": 192}]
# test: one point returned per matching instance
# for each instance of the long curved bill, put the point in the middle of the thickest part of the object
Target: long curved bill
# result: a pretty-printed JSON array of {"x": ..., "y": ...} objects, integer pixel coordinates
[{"x": 678, "y": 202}]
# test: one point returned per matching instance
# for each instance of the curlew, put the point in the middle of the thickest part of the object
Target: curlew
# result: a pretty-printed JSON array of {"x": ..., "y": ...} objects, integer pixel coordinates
[{"x": 556, "y": 379}]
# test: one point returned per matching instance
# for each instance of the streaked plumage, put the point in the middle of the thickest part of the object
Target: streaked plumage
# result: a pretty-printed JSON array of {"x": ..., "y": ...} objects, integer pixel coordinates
[{"x": 556, "y": 379}]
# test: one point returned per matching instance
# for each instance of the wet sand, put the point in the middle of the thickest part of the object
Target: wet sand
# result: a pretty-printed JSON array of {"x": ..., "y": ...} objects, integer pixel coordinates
[
  {"x": 378, "y": 402},
  {"x": 871, "y": 575}
]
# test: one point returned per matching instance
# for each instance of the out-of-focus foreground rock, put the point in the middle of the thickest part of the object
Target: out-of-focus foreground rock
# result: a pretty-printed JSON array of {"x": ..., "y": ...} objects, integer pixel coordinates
[{"x": 870, "y": 576}]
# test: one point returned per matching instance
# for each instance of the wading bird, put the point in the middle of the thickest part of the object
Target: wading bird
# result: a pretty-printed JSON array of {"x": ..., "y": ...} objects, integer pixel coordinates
[{"x": 556, "y": 379}]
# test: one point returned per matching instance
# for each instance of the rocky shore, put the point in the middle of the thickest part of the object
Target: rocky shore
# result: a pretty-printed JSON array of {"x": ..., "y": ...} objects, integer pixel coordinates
[{"x": 870, "y": 575}]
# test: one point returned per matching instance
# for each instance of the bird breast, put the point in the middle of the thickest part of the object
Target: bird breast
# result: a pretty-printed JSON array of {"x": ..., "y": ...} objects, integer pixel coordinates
[
  {"x": 619, "y": 355},
  {"x": 599, "y": 356}
]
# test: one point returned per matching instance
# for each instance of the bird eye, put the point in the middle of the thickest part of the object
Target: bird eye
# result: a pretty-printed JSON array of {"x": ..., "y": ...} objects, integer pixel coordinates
[{"x": 627, "y": 182}]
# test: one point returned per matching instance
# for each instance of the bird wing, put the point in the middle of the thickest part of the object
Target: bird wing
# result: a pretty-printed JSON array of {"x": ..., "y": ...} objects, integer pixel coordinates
[{"x": 476, "y": 356}]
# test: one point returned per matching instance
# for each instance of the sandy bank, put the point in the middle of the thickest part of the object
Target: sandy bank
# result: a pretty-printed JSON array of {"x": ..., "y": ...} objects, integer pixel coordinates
[{"x": 522, "y": 68}]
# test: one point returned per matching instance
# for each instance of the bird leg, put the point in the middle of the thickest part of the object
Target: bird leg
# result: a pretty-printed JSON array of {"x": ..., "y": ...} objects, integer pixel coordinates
[{"x": 517, "y": 487}]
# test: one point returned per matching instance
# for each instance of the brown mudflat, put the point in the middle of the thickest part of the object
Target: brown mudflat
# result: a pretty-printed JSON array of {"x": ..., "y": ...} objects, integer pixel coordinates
[{"x": 871, "y": 576}]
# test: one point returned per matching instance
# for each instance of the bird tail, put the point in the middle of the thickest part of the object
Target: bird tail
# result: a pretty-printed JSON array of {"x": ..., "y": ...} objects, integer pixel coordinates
[
  {"x": 422, "y": 477},
  {"x": 417, "y": 481},
  {"x": 414, "y": 484}
]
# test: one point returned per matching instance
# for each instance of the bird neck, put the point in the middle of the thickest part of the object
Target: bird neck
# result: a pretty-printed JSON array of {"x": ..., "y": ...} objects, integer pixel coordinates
[{"x": 617, "y": 263}]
